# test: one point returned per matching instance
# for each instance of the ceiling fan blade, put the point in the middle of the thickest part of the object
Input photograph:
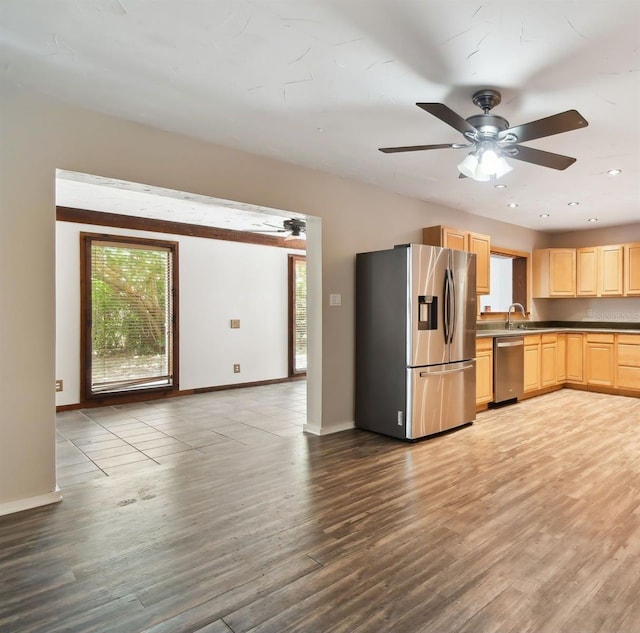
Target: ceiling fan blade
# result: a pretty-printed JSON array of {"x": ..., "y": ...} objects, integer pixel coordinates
[
  {"x": 538, "y": 157},
  {"x": 417, "y": 148},
  {"x": 448, "y": 116},
  {"x": 555, "y": 124}
]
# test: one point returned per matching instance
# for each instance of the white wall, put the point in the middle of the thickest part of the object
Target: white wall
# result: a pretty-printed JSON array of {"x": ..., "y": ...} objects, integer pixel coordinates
[
  {"x": 218, "y": 281},
  {"x": 38, "y": 135}
]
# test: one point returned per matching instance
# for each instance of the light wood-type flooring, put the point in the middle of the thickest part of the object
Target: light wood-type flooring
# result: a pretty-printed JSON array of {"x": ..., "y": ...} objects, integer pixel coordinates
[{"x": 528, "y": 521}]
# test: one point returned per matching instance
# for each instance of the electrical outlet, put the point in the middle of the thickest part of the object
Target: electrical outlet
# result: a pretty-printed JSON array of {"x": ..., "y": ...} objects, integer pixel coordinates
[
  {"x": 59, "y": 385},
  {"x": 236, "y": 368},
  {"x": 235, "y": 323}
]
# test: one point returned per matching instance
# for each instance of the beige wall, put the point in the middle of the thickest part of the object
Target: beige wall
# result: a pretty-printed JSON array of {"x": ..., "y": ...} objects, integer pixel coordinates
[
  {"x": 37, "y": 136},
  {"x": 598, "y": 237}
]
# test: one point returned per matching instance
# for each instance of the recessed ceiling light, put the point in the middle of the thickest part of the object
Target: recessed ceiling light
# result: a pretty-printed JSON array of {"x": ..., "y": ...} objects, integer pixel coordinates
[
  {"x": 544, "y": 215},
  {"x": 592, "y": 220},
  {"x": 614, "y": 172},
  {"x": 573, "y": 204},
  {"x": 512, "y": 205},
  {"x": 500, "y": 186}
]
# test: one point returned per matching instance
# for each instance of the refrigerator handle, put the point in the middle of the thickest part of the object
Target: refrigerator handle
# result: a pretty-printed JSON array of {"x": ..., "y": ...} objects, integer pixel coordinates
[
  {"x": 452, "y": 312},
  {"x": 446, "y": 307}
]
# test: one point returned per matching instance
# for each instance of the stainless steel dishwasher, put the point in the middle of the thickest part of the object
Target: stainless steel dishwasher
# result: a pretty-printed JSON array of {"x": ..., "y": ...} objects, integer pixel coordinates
[{"x": 508, "y": 368}]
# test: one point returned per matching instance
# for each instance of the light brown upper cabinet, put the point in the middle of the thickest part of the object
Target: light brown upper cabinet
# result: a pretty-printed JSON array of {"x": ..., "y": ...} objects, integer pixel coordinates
[
  {"x": 454, "y": 238},
  {"x": 464, "y": 241},
  {"x": 632, "y": 269},
  {"x": 587, "y": 271},
  {"x": 554, "y": 272},
  {"x": 599, "y": 271},
  {"x": 610, "y": 268},
  {"x": 481, "y": 246}
]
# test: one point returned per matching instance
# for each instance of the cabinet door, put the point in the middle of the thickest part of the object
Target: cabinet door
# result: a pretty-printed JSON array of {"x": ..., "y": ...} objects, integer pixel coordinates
[
  {"x": 587, "y": 272},
  {"x": 628, "y": 355},
  {"x": 575, "y": 355},
  {"x": 632, "y": 269},
  {"x": 531, "y": 367},
  {"x": 561, "y": 358},
  {"x": 600, "y": 360},
  {"x": 481, "y": 246},
  {"x": 562, "y": 272},
  {"x": 484, "y": 371},
  {"x": 453, "y": 238},
  {"x": 610, "y": 279},
  {"x": 548, "y": 365},
  {"x": 554, "y": 272}
]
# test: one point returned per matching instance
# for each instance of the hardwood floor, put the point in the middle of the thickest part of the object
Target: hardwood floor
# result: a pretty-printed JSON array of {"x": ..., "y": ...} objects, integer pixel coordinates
[{"x": 528, "y": 521}]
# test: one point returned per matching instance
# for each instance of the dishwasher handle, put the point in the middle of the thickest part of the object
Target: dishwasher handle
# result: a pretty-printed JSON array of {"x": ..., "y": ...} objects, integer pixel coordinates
[{"x": 513, "y": 343}]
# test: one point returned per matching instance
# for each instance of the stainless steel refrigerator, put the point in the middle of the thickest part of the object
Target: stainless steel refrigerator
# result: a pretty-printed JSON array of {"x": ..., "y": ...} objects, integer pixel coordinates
[{"x": 415, "y": 340}]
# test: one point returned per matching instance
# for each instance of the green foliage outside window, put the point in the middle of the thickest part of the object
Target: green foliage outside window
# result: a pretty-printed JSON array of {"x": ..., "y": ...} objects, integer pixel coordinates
[{"x": 129, "y": 301}]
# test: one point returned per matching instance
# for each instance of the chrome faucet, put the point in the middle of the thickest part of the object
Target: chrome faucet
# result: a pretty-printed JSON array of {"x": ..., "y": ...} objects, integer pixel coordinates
[{"x": 517, "y": 306}]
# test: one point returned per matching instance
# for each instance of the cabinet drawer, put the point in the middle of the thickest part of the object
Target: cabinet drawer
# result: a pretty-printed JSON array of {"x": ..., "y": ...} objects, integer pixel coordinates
[
  {"x": 629, "y": 339},
  {"x": 629, "y": 378},
  {"x": 484, "y": 344},
  {"x": 550, "y": 337},
  {"x": 599, "y": 338},
  {"x": 628, "y": 355},
  {"x": 532, "y": 339}
]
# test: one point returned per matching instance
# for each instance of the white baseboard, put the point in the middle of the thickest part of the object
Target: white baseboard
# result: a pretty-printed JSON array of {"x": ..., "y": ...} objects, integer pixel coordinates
[
  {"x": 30, "y": 502},
  {"x": 315, "y": 429}
]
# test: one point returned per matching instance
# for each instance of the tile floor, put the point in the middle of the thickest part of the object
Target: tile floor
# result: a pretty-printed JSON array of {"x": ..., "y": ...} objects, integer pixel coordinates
[{"x": 106, "y": 441}]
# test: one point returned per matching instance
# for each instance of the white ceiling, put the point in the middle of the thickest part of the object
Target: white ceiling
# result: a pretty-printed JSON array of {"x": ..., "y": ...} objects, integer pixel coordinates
[
  {"x": 324, "y": 83},
  {"x": 108, "y": 195}
]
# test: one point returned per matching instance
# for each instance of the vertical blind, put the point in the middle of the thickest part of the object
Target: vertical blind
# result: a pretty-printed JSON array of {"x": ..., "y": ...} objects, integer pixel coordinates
[
  {"x": 300, "y": 315},
  {"x": 131, "y": 316}
]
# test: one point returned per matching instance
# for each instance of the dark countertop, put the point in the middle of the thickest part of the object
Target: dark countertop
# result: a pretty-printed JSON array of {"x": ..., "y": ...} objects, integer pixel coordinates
[{"x": 608, "y": 328}]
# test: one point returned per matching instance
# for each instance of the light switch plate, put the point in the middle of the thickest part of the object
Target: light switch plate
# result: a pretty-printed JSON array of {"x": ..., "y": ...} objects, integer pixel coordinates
[
  {"x": 235, "y": 323},
  {"x": 335, "y": 300}
]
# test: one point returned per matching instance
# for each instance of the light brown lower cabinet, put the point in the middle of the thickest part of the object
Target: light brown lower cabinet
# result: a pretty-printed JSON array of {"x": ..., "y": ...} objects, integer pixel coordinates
[
  {"x": 597, "y": 359},
  {"x": 600, "y": 360},
  {"x": 548, "y": 360},
  {"x": 628, "y": 361},
  {"x": 484, "y": 370},
  {"x": 575, "y": 357},
  {"x": 561, "y": 358},
  {"x": 531, "y": 362}
]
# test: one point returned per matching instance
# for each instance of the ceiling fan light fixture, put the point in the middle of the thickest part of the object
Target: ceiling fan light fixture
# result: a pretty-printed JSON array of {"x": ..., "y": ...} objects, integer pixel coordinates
[
  {"x": 484, "y": 164},
  {"x": 469, "y": 167},
  {"x": 502, "y": 167}
]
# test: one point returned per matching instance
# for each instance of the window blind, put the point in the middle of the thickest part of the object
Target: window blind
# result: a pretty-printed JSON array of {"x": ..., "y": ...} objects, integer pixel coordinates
[
  {"x": 131, "y": 316},
  {"x": 300, "y": 315}
]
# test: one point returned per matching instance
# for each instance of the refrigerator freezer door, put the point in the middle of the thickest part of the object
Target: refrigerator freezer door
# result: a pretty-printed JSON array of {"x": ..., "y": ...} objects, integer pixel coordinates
[
  {"x": 440, "y": 398},
  {"x": 462, "y": 324},
  {"x": 426, "y": 344}
]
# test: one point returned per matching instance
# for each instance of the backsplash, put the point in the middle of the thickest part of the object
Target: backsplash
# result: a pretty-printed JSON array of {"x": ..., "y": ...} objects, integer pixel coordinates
[{"x": 621, "y": 309}]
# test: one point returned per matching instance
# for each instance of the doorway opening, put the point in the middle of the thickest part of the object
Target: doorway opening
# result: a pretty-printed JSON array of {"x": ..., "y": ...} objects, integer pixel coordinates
[{"x": 85, "y": 202}]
